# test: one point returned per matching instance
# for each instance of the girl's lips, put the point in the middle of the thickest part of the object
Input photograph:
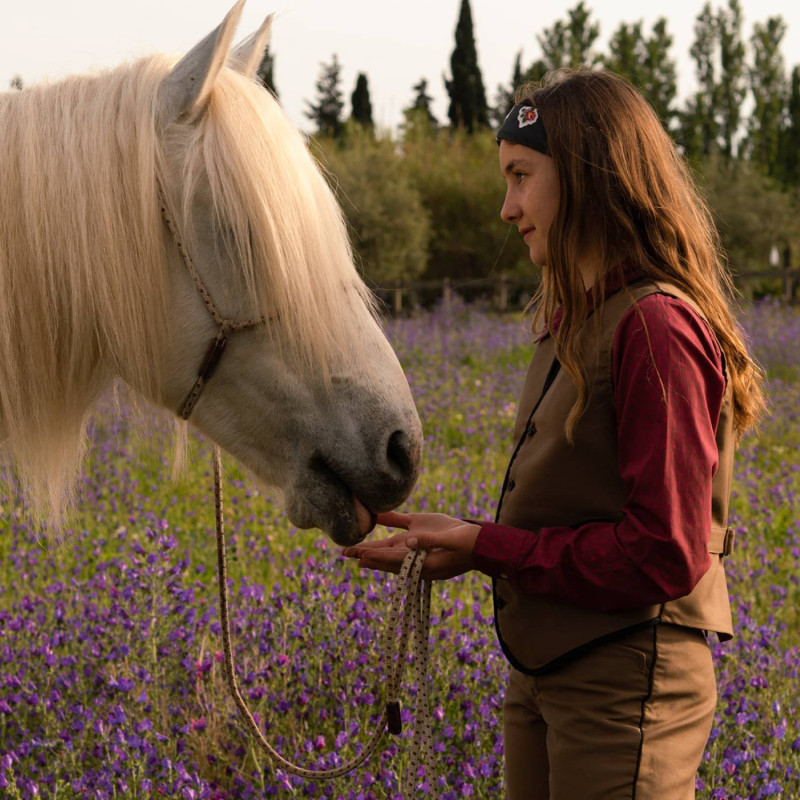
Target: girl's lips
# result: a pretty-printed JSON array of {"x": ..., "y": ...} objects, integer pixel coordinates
[{"x": 526, "y": 232}]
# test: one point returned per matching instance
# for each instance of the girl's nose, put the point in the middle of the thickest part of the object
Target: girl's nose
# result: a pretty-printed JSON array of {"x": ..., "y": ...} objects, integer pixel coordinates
[{"x": 509, "y": 212}]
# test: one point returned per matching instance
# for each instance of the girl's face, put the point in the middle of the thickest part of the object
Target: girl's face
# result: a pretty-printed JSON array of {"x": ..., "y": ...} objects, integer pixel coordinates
[{"x": 532, "y": 195}]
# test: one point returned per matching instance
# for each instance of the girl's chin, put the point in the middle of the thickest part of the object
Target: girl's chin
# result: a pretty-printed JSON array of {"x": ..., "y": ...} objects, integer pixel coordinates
[{"x": 537, "y": 257}]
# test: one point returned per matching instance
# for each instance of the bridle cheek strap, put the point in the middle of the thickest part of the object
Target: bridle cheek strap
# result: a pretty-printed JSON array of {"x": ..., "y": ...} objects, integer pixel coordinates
[
  {"x": 225, "y": 325},
  {"x": 207, "y": 367}
]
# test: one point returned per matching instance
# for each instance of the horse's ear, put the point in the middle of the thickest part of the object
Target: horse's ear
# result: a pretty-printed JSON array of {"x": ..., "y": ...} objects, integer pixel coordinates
[
  {"x": 187, "y": 88},
  {"x": 247, "y": 55}
]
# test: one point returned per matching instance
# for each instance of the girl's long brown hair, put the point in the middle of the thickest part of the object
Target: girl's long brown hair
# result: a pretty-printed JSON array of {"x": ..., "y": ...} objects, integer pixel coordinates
[{"x": 628, "y": 199}]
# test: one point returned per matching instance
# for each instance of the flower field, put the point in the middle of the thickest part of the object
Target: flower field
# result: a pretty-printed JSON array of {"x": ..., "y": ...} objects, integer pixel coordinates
[{"x": 111, "y": 680}]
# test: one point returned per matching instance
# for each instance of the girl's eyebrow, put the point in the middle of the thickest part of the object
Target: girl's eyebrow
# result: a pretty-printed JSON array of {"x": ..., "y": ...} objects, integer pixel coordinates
[{"x": 514, "y": 163}]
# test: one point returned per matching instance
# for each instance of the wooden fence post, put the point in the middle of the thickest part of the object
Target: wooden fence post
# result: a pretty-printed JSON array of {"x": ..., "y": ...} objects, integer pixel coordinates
[
  {"x": 788, "y": 279},
  {"x": 499, "y": 288},
  {"x": 503, "y": 293},
  {"x": 398, "y": 297}
]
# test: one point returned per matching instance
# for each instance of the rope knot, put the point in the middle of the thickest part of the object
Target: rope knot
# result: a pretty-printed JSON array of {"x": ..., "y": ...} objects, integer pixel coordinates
[{"x": 394, "y": 723}]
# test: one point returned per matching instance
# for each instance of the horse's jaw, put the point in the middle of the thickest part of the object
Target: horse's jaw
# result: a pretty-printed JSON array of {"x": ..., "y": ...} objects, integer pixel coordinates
[{"x": 335, "y": 510}]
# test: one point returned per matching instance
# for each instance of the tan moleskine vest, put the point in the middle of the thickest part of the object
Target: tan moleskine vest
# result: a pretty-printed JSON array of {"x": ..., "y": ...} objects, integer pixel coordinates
[{"x": 552, "y": 483}]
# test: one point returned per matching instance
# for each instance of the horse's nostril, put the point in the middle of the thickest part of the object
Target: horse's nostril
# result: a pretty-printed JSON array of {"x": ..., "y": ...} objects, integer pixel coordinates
[{"x": 398, "y": 453}]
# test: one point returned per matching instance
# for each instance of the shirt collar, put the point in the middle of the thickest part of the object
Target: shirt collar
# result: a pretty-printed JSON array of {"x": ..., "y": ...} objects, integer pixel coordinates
[{"x": 614, "y": 281}]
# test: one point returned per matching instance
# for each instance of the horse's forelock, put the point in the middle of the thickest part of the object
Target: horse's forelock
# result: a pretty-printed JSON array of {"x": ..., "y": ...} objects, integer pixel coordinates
[{"x": 293, "y": 248}]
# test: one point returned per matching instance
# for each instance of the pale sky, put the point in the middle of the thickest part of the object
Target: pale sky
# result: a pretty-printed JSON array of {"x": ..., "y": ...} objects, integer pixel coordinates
[{"x": 394, "y": 43}]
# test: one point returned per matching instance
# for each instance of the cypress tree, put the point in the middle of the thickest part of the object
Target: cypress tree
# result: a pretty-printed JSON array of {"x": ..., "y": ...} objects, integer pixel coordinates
[
  {"x": 646, "y": 64},
  {"x": 265, "y": 72},
  {"x": 504, "y": 99},
  {"x": 327, "y": 111},
  {"x": 360, "y": 102},
  {"x": 790, "y": 135},
  {"x": 627, "y": 53},
  {"x": 768, "y": 85},
  {"x": 420, "y": 123},
  {"x": 733, "y": 87},
  {"x": 570, "y": 43},
  {"x": 468, "y": 107},
  {"x": 660, "y": 82},
  {"x": 535, "y": 72},
  {"x": 703, "y": 113},
  {"x": 691, "y": 133},
  {"x": 422, "y": 102}
]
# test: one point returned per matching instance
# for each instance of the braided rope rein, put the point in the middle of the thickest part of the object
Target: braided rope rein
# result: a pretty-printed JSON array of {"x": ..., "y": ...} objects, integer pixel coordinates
[
  {"x": 417, "y": 606},
  {"x": 222, "y": 322}
]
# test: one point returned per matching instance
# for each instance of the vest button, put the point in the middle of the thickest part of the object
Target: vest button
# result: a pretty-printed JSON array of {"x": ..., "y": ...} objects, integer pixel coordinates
[
  {"x": 511, "y": 485},
  {"x": 531, "y": 430}
]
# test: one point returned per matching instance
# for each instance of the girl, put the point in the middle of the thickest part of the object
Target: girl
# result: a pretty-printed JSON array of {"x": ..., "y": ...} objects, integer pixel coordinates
[{"x": 607, "y": 550}]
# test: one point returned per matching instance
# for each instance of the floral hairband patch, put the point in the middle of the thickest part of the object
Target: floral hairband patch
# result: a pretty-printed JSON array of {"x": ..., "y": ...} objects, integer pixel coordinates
[{"x": 527, "y": 116}]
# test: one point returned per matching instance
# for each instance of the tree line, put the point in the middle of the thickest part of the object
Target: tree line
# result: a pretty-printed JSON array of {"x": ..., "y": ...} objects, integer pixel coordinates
[{"x": 730, "y": 82}]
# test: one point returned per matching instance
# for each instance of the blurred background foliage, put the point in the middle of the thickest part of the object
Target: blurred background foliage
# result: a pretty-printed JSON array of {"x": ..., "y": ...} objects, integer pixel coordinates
[
  {"x": 423, "y": 202},
  {"x": 428, "y": 207}
]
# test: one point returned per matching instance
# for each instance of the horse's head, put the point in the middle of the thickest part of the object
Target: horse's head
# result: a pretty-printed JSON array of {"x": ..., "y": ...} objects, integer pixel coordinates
[{"x": 312, "y": 399}]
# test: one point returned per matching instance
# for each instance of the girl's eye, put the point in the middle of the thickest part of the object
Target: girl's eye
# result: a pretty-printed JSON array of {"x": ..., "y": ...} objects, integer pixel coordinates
[{"x": 519, "y": 176}]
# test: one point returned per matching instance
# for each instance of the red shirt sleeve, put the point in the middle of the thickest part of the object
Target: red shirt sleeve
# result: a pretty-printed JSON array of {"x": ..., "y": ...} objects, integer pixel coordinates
[{"x": 668, "y": 388}]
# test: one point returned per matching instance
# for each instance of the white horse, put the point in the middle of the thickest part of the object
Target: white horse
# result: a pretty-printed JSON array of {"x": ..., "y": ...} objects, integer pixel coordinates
[{"x": 152, "y": 209}]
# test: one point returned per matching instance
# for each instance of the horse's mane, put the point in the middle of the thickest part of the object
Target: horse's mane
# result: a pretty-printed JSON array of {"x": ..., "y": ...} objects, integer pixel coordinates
[{"x": 82, "y": 284}]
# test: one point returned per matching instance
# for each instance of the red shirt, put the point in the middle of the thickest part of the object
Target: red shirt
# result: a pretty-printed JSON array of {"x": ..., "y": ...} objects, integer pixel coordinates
[{"x": 667, "y": 455}]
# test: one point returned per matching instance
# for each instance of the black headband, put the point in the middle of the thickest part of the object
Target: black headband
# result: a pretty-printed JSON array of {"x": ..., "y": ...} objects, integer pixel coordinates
[{"x": 524, "y": 125}]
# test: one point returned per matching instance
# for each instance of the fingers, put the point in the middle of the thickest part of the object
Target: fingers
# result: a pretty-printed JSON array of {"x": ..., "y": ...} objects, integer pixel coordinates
[
  {"x": 449, "y": 542},
  {"x": 356, "y": 551},
  {"x": 438, "y": 565},
  {"x": 427, "y": 541},
  {"x": 394, "y": 519},
  {"x": 382, "y": 560},
  {"x": 445, "y": 540}
]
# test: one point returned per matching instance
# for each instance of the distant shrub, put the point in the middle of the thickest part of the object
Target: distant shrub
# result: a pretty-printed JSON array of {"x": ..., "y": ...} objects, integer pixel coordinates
[
  {"x": 458, "y": 178},
  {"x": 389, "y": 225},
  {"x": 752, "y": 214}
]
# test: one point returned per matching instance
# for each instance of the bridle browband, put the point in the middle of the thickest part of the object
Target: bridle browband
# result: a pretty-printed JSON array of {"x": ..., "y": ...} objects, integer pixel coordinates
[{"x": 225, "y": 326}]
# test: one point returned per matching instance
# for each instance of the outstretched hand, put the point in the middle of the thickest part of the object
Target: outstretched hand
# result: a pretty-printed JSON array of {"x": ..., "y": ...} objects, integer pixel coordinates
[{"x": 450, "y": 543}]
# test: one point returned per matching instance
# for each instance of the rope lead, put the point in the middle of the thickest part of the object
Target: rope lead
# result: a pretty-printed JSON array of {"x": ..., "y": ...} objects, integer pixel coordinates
[{"x": 417, "y": 606}]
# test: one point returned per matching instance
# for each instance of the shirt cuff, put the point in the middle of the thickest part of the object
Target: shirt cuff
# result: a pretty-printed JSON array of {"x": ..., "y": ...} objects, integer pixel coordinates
[{"x": 499, "y": 549}]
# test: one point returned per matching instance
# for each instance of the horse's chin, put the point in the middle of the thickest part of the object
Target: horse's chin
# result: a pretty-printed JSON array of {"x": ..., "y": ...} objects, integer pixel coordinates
[{"x": 333, "y": 509}]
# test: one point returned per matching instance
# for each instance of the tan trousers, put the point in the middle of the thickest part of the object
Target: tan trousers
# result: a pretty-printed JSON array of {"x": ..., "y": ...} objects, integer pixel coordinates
[{"x": 629, "y": 719}]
